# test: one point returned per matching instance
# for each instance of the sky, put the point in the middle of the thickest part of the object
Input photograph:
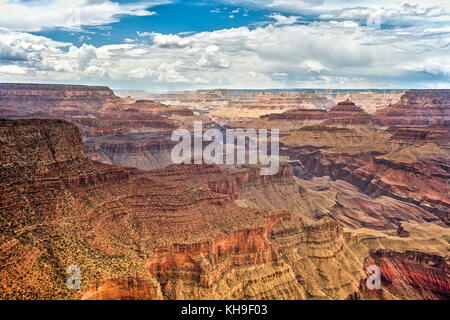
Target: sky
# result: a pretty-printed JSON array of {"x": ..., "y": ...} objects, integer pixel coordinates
[{"x": 174, "y": 45}]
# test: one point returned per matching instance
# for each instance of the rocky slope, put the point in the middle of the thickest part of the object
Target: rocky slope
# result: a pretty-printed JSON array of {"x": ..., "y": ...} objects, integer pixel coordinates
[
  {"x": 421, "y": 181},
  {"x": 417, "y": 107},
  {"x": 59, "y": 208},
  {"x": 151, "y": 235},
  {"x": 228, "y": 182},
  {"x": 115, "y": 130},
  {"x": 59, "y": 100},
  {"x": 406, "y": 136},
  {"x": 346, "y": 112},
  {"x": 233, "y": 105},
  {"x": 311, "y": 199},
  {"x": 408, "y": 275},
  {"x": 357, "y": 189},
  {"x": 401, "y": 167},
  {"x": 254, "y": 107}
]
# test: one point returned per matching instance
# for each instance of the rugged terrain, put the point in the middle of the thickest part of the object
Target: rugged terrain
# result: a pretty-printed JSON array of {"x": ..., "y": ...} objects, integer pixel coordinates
[
  {"x": 356, "y": 187},
  {"x": 115, "y": 130},
  {"x": 224, "y": 106},
  {"x": 138, "y": 234},
  {"x": 404, "y": 162},
  {"x": 417, "y": 107}
]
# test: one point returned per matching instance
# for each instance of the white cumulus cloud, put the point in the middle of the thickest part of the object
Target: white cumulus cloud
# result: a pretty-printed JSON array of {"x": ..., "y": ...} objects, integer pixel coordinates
[
  {"x": 323, "y": 53},
  {"x": 36, "y": 15}
]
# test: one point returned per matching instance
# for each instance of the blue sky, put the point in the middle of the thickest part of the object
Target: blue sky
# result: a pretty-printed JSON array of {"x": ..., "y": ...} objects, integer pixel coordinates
[
  {"x": 179, "y": 17},
  {"x": 169, "y": 45}
]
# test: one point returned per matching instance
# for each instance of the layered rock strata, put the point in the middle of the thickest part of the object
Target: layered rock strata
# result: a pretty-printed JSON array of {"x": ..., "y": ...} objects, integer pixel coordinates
[
  {"x": 417, "y": 107},
  {"x": 120, "y": 131}
]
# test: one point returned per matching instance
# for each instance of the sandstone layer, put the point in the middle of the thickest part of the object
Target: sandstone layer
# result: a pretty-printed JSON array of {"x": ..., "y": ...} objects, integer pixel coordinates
[
  {"x": 146, "y": 235},
  {"x": 417, "y": 107},
  {"x": 360, "y": 183},
  {"x": 121, "y": 131}
]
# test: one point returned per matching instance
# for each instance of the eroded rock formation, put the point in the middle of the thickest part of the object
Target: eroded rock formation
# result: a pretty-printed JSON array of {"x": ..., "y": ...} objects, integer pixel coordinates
[
  {"x": 408, "y": 275},
  {"x": 417, "y": 107},
  {"x": 356, "y": 190},
  {"x": 122, "y": 131}
]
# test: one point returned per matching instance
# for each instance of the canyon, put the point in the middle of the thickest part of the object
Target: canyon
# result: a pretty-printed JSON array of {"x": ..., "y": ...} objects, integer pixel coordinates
[
  {"x": 407, "y": 162},
  {"x": 224, "y": 106},
  {"x": 87, "y": 180},
  {"x": 115, "y": 130}
]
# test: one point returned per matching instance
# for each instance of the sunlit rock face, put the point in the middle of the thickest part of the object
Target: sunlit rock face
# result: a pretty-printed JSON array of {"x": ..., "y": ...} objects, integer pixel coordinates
[
  {"x": 122, "y": 131},
  {"x": 146, "y": 235},
  {"x": 60, "y": 100},
  {"x": 417, "y": 107},
  {"x": 350, "y": 192},
  {"x": 225, "y": 106},
  {"x": 406, "y": 161},
  {"x": 408, "y": 275},
  {"x": 346, "y": 112}
]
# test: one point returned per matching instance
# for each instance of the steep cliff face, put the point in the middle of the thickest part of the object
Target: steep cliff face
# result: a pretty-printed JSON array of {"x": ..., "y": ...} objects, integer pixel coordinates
[
  {"x": 421, "y": 183},
  {"x": 347, "y": 113},
  {"x": 199, "y": 232},
  {"x": 410, "y": 136},
  {"x": 277, "y": 261},
  {"x": 61, "y": 100},
  {"x": 231, "y": 105},
  {"x": 338, "y": 140},
  {"x": 221, "y": 181},
  {"x": 369, "y": 100},
  {"x": 216, "y": 268},
  {"x": 344, "y": 115},
  {"x": 121, "y": 131},
  {"x": 417, "y": 107},
  {"x": 408, "y": 275},
  {"x": 131, "y": 236},
  {"x": 321, "y": 197},
  {"x": 251, "y": 105},
  {"x": 312, "y": 200},
  {"x": 40, "y": 142},
  {"x": 405, "y": 163},
  {"x": 300, "y": 115},
  {"x": 139, "y": 150},
  {"x": 128, "y": 288},
  {"x": 97, "y": 128},
  {"x": 59, "y": 208},
  {"x": 90, "y": 106},
  {"x": 364, "y": 175},
  {"x": 355, "y": 209},
  {"x": 129, "y": 109}
]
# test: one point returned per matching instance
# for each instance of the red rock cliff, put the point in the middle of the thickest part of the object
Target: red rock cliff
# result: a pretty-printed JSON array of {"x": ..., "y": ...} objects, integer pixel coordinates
[{"x": 417, "y": 107}]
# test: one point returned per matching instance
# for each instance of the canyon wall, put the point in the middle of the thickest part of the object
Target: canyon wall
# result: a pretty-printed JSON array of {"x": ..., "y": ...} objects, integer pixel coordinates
[
  {"x": 135, "y": 235},
  {"x": 121, "y": 131},
  {"x": 226, "y": 106},
  {"x": 417, "y": 107},
  {"x": 354, "y": 188}
]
